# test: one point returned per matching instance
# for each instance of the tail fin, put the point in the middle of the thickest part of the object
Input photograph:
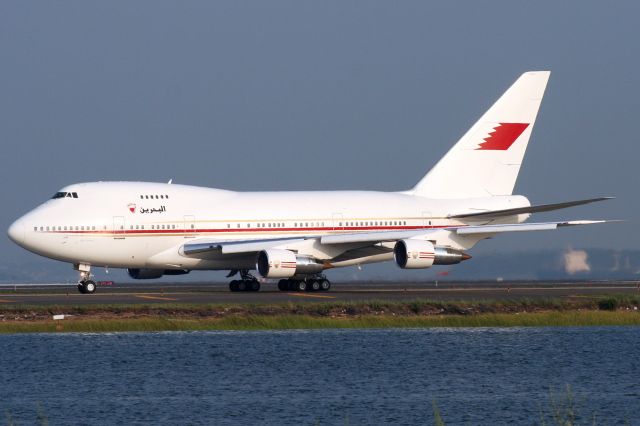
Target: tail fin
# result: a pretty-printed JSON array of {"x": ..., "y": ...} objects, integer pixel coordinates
[{"x": 487, "y": 159}]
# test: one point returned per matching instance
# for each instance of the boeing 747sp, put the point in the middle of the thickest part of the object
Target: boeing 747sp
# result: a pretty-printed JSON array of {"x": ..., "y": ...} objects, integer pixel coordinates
[{"x": 155, "y": 229}]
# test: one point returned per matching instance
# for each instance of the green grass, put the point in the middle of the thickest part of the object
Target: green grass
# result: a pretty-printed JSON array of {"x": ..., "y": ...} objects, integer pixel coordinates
[
  {"x": 610, "y": 310},
  {"x": 287, "y": 322}
]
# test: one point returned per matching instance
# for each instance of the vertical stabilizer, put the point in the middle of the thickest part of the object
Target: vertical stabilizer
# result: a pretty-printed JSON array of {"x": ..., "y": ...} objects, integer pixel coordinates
[{"x": 487, "y": 159}]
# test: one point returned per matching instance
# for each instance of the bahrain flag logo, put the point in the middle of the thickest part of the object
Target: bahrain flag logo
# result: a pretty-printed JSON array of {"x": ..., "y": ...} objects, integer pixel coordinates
[
  {"x": 502, "y": 136},
  {"x": 132, "y": 207}
]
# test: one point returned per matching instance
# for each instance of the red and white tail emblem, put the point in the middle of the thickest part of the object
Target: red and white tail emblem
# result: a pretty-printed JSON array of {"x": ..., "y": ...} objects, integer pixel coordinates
[
  {"x": 132, "y": 207},
  {"x": 502, "y": 136}
]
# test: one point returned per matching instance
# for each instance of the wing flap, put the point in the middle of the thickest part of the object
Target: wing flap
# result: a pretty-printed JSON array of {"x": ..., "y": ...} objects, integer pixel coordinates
[{"x": 234, "y": 247}]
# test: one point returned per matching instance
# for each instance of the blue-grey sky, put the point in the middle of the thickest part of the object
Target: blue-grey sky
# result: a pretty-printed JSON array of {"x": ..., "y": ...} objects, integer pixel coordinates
[{"x": 301, "y": 95}]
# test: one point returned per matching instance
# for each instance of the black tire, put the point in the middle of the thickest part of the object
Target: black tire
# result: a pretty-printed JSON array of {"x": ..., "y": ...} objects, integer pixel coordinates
[
  {"x": 89, "y": 287},
  {"x": 283, "y": 285},
  {"x": 314, "y": 285},
  {"x": 291, "y": 285},
  {"x": 242, "y": 285},
  {"x": 80, "y": 288},
  {"x": 254, "y": 286},
  {"x": 325, "y": 285},
  {"x": 301, "y": 285},
  {"x": 233, "y": 285}
]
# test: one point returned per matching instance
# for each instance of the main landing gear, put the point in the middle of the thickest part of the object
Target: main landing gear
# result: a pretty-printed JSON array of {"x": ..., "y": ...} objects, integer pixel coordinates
[
  {"x": 316, "y": 283},
  {"x": 247, "y": 283},
  {"x": 85, "y": 284}
]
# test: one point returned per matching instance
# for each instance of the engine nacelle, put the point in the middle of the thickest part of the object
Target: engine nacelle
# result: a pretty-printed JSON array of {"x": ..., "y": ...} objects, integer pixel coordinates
[
  {"x": 417, "y": 254},
  {"x": 152, "y": 274},
  {"x": 277, "y": 263},
  {"x": 414, "y": 254}
]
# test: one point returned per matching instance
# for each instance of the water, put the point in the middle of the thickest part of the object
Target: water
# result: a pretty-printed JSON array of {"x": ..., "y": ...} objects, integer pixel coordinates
[{"x": 476, "y": 376}]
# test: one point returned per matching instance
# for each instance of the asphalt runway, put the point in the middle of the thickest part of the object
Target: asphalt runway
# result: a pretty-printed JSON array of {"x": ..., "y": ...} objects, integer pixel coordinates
[{"x": 218, "y": 293}]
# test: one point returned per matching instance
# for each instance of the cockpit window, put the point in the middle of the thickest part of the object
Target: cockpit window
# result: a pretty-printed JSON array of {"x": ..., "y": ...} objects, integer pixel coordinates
[{"x": 65, "y": 195}]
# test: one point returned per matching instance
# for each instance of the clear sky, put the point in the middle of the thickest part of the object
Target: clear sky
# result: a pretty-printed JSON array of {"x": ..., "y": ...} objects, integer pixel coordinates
[{"x": 301, "y": 95}]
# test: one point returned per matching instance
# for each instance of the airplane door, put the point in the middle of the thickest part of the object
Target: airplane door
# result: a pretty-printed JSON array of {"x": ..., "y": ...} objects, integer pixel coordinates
[
  {"x": 118, "y": 227},
  {"x": 189, "y": 226},
  {"x": 338, "y": 222}
]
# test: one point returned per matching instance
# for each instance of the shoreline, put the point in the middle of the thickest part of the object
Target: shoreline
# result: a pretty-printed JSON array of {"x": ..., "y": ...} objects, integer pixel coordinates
[{"x": 606, "y": 311}]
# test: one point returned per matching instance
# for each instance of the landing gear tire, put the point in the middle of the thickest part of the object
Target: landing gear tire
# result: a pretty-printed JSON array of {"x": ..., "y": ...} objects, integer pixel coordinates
[
  {"x": 283, "y": 285},
  {"x": 314, "y": 285},
  {"x": 244, "y": 285},
  {"x": 301, "y": 285},
  {"x": 325, "y": 285},
  {"x": 87, "y": 287}
]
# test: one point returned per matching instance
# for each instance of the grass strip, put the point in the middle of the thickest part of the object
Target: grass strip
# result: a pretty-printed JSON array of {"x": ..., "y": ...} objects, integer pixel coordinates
[{"x": 289, "y": 322}]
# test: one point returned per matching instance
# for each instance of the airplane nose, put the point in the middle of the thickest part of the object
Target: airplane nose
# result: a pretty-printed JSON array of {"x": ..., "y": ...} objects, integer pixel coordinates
[{"x": 16, "y": 232}]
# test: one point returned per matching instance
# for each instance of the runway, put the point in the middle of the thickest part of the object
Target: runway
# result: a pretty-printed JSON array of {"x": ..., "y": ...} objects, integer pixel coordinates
[{"x": 218, "y": 293}]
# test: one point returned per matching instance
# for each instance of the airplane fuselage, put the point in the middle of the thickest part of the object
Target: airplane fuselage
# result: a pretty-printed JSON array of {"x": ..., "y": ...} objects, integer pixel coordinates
[{"x": 143, "y": 225}]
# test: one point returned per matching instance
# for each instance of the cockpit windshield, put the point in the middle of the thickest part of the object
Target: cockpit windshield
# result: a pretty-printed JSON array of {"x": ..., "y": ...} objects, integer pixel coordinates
[{"x": 64, "y": 195}]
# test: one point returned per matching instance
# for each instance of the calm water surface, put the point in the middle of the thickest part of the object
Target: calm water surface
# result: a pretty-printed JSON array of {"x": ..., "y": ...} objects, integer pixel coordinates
[{"x": 476, "y": 376}]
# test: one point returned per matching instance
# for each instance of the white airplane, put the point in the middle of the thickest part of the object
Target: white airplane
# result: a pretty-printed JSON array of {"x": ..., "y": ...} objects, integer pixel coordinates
[{"x": 155, "y": 229}]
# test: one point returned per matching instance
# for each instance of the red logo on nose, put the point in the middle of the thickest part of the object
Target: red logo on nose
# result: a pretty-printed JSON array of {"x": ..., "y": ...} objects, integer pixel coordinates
[{"x": 502, "y": 136}]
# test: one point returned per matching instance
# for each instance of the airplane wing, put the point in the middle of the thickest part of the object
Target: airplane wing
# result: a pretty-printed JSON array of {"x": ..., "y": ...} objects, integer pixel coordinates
[
  {"x": 370, "y": 238},
  {"x": 531, "y": 209}
]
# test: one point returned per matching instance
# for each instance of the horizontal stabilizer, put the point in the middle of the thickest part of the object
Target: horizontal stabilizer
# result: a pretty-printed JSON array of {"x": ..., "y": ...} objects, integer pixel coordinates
[
  {"x": 523, "y": 227},
  {"x": 531, "y": 209}
]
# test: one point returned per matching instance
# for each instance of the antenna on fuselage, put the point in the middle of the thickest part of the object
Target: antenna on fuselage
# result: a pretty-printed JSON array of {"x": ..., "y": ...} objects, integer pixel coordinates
[{"x": 170, "y": 181}]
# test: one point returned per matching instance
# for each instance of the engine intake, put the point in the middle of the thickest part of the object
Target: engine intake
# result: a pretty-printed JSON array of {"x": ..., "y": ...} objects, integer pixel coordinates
[
  {"x": 420, "y": 254},
  {"x": 152, "y": 274},
  {"x": 277, "y": 263}
]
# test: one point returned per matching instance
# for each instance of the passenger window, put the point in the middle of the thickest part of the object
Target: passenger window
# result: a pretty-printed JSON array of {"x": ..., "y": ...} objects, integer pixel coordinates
[
  {"x": 35, "y": 228},
  {"x": 142, "y": 197},
  {"x": 166, "y": 196}
]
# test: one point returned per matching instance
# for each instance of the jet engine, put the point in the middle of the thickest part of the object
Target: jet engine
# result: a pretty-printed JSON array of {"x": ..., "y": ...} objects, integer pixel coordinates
[
  {"x": 417, "y": 254},
  {"x": 277, "y": 263},
  {"x": 152, "y": 274}
]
